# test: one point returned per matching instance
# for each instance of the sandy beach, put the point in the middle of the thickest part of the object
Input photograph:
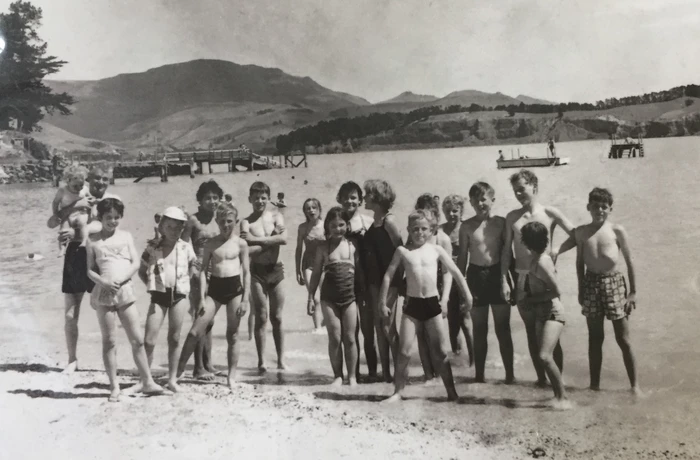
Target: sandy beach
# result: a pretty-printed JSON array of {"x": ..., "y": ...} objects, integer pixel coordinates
[{"x": 296, "y": 414}]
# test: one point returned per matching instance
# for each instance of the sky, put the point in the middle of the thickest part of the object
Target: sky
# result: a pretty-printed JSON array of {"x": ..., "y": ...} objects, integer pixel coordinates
[{"x": 559, "y": 50}]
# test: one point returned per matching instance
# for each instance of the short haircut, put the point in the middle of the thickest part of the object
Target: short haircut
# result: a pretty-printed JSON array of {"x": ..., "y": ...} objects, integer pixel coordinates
[
  {"x": 108, "y": 204},
  {"x": 427, "y": 201},
  {"x": 314, "y": 201},
  {"x": 336, "y": 212},
  {"x": 259, "y": 187},
  {"x": 452, "y": 201},
  {"x": 346, "y": 189},
  {"x": 228, "y": 197},
  {"x": 209, "y": 186},
  {"x": 480, "y": 189},
  {"x": 75, "y": 171},
  {"x": 420, "y": 214},
  {"x": 525, "y": 174},
  {"x": 600, "y": 195},
  {"x": 381, "y": 193},
  {"x": 535, "y": 237},
  {"x": 224, "y": 209}
]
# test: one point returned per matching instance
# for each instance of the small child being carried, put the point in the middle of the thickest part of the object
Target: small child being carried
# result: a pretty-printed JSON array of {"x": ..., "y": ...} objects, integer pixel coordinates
[{"x": 64, "y": 213}]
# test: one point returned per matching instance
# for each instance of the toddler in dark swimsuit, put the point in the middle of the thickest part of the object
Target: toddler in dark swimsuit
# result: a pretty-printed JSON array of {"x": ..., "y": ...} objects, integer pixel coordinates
[
  {"x": 226, "y": 260},
  {"x": 423, "y": 312},
  {"x": 338, "y": 259}
]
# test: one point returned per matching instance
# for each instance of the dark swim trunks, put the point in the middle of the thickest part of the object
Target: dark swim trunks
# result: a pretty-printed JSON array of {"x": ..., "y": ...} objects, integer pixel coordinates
[
  {"x": 166, "y": 299},
  {"x": 485, "y": 285},
  {"x": 422, "y": 309},
  {"x": 75, "y": 279},
  {"x": 223, "y": 290},
  {"x": 269, "y": 275}
]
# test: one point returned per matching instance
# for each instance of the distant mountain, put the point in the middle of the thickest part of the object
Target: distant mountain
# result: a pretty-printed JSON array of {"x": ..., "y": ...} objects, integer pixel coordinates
[
  {"x": 470, "y": 96},
  {"x": 131, "y": 106},
  {"x": 533, "y": 100},
  {"x": 408, "y": 97}
]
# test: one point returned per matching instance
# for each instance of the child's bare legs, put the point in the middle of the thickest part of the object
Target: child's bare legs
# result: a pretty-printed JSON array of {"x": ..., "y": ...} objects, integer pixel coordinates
[
  {"x": 454, "y": 324},
  {"x": 233, "y": 321},
  {"x": 176, "y": 316},
  {"x": 548, "y": 334},
  {"x": 501, "y": 322},
  {"x": 386, "y": 329},
  {"x": 251, "y": 323},
  {"x": 425, "y": 355},
  {"x": 596, "y": 335},
  {"x": 71, "y": 315},
  {"x": 349, "y": 326},
  {"x": 197, "y": 332},
  {"x": 438, "y": 343},
  {"x": 129, "y": 317},
  {"x": 107, "y": 322},
  {"x": 622, "y": 335},
  {"x": 202, "y": 350},
  {"x": 480, "y": 316},
  {"x": 407, "y": 336},
  {"x": 154, "y": 321},
  {"x": 366, "y": 325},
  {"x": 317, "y": 315},
  {"x": 530, "y": 321},
  {"x": 334, "y": 326},
  {"x": 465, "y": 325},
  {"x": 274, "y": 305}
]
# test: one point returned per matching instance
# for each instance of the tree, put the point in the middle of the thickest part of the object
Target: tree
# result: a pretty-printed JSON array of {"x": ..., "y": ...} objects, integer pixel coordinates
[{"x": 23, "y": 65}]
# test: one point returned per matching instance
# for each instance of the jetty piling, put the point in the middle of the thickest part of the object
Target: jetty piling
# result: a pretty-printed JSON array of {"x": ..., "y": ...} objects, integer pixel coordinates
[{"x": 630, "y": 147}]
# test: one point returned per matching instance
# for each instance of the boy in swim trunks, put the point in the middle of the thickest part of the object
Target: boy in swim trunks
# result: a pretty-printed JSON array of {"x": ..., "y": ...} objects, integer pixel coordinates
[
  {"x": 602, "y": 290},
  {"x": 423, "y": 310},
  {"x": 265, "y": 233},
  {"x": 525, "y": 188},
  {"x": 166, "y": 267},
  {"x": 226, "y": 260},
  {"x": 199, "y": 229},
  {"x": 481, "y": 241}
]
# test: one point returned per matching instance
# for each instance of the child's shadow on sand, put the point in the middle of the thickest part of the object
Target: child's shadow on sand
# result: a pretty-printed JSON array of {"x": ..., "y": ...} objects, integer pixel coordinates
[
  {"x": 329, "y": 395},
  {"x": 28, "y": 367},
  {"x": 58, "y": 394}
]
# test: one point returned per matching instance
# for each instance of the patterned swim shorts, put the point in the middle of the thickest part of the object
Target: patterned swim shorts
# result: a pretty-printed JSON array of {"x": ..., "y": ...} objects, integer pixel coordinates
[{"x": 604, "y": 294}]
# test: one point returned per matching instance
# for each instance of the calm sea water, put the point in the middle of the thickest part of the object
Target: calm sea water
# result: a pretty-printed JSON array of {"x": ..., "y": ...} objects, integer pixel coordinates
[{"x": 655, "y": 199}]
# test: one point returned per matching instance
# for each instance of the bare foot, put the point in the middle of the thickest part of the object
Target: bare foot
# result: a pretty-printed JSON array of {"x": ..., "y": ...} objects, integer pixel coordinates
[
  {"x": 319, "y": 331},
  {"x": 203, "y": 375},
  {"x": 479, "y": 379},
  {"x": 231, "y": 383},
  {"x": 594, "y": 387},
  {"x": 173, "y": 386},
  {"x": 510, "y": 380},
  {"x": 561, "y": 404},
  {"x": 452, "y": 396},
  {"x": 338, "y": 381},
  {"x": 71, "y": 367},
  {"x": 430, "y": 382},
  {"x": 281, "y": 366},
  {"x": 541, "y": 384},
  {"x": 352, "y": 381},
  {"x": 151, "y": 388},
  {"x": 396, "y": 397},
  {"x": 261, "y": 368},
  {"x": 388, "y": 378},
  {"x": 114, "y": 395},
  {"x": 638, "y": 393}
]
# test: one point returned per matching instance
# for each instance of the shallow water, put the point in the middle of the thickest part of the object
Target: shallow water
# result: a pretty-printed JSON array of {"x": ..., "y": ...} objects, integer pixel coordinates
[{"x": 655, "y": 199}]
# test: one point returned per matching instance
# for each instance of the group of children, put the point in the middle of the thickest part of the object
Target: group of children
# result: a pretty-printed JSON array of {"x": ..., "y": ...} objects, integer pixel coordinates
[{"x": 362, "y": 267}]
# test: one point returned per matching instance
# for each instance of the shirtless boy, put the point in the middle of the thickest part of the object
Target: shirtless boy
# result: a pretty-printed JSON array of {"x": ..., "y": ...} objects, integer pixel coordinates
[
  {"x": 265, "y": 233},
  {"x": 525, "y": 188},
  {"x": 199, "y": 229},
  {"x": 225, "y": 259},
  {"x": 423, "y": 310},
  {"x": 481, "y": 241},
  {"x": 602, "y": 290}
]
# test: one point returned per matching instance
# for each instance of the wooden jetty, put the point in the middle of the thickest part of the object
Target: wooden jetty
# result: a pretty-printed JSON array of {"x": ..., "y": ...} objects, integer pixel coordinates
[
  {"x": 192, "y": 162},
  {"x": 629, "y": 146}
]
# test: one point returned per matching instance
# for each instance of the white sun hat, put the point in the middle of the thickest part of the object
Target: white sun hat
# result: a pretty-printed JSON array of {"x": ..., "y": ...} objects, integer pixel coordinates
[{"x": 175, "y": 213}]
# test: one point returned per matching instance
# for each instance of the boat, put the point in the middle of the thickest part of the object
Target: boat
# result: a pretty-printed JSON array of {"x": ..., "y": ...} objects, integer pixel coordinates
[{"x": 536, "y": 162}]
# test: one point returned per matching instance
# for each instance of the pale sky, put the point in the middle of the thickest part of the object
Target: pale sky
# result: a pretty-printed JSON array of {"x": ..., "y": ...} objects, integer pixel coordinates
[{"x": 561, "y": 50}]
